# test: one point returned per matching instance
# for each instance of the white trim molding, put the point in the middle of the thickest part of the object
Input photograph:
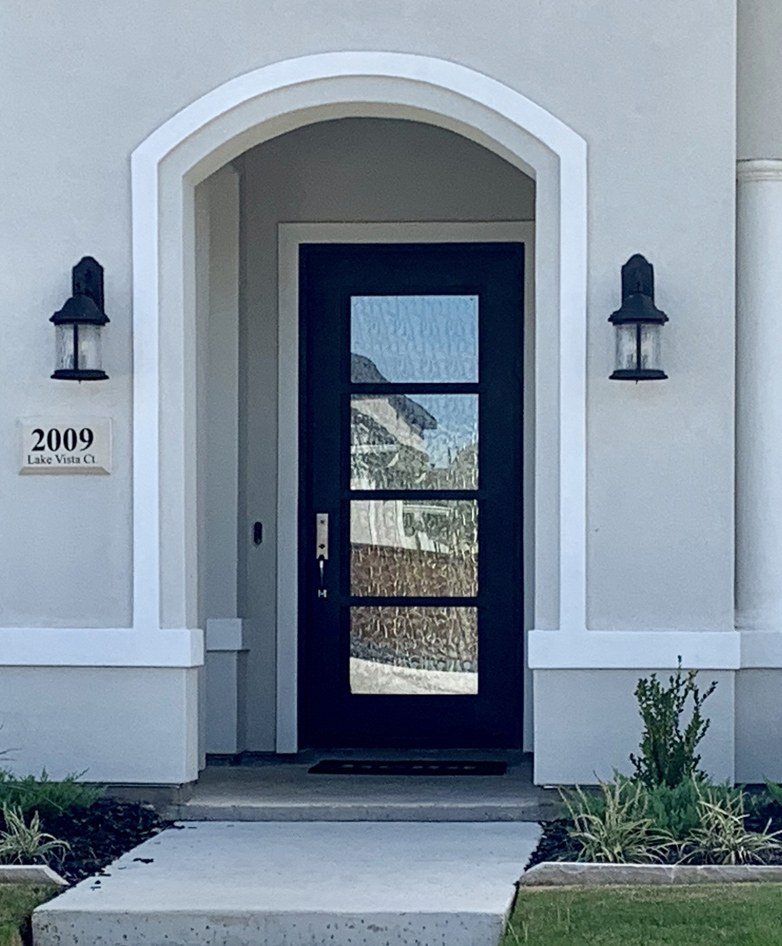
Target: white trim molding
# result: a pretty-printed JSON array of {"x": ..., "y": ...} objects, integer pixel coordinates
[
  {"x": 100, "y": 647},
  {"x": 635, "y": 650},
  {"x": 759, "y": 169},
  {"x": 644, "y": 650}
]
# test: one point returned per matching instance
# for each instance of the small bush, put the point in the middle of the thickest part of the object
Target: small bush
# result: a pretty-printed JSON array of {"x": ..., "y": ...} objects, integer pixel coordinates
[
  {"x": 668, "y": 747},
  {"x": 676, "y": 811},
  {"x": 44, "y": 795},
  {"x": 614, "y": 826},
  {"x": 775, "y": 793},
  {"x": 668, "y": 811},
  {"x": 23, "y": 843},
  {"x": 628, "y": 822},
  {"x": 722, "y": 837}
]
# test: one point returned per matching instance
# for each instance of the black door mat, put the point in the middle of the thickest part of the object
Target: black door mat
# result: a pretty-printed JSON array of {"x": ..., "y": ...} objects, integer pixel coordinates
[{"x": 406, "y": 767}]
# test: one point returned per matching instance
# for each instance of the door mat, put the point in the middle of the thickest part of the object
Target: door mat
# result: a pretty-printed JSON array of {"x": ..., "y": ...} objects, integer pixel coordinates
[{"x": 406, "y": 767}]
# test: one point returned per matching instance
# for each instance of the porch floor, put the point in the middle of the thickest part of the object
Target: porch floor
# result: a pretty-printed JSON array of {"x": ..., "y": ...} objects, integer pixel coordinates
[{"x": 284, "y": 791}]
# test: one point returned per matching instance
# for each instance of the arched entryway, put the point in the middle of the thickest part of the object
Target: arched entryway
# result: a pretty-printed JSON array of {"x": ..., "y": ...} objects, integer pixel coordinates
[{"x": 167, "y": 168}]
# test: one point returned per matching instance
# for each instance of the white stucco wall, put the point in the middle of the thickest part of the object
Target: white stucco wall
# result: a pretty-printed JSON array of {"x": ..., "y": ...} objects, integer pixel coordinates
[
  {"x": 656, "y": 107},
  {"x": 118, "y": 724},
  {"x": 592, "y": 724},
  {"x": 759, "y": 118},
  {"x": 660, "y": 129}
]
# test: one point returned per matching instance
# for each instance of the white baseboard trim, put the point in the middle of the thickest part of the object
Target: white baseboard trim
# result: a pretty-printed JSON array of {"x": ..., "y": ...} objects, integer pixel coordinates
[
  {"x": 548, "y": 650},
  {"x": 100, "y": 647}
]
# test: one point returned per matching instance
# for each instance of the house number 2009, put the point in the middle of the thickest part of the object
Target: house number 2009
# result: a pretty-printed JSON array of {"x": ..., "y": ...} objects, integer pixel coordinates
[
  {"x": 69, "y": 439},
  {"x": 72, "y": 445}
]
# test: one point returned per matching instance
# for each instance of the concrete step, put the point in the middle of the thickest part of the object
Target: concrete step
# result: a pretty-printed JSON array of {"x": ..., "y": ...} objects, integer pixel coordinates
[
  {"x": 430, "y": 812},
  {"x": 304, "y": 884},
  {"x": 288, "y": 793}
]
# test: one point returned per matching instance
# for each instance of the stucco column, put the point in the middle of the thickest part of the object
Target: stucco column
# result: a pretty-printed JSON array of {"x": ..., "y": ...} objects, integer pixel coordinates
[
  {"x": 759, "y": 395},
  {"x": 759, "y": 318}
]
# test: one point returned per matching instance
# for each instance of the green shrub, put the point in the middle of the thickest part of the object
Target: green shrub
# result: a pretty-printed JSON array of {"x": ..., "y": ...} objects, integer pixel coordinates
[
  {"x": 614, "y": 826},
  {"x": 668, "y": 810},
  {"x": 23, "y": 843},
  {"x": 628, "y": 822},
  {"x": 775, "y": 792},
  {"x": 44, "y": 795},
  {"x": 676, "y": 811},
  {"x": 667, "y": 753}
]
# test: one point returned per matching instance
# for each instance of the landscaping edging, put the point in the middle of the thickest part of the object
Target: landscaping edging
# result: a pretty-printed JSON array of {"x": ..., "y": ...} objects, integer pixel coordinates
[
  {"x": 574, "y": 874},
  {"x": 30, "y": 874}
]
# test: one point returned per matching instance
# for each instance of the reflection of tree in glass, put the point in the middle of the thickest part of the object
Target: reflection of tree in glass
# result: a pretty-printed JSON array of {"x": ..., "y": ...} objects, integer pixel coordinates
[
  {"x": 378, "y": 461},
  {"x": 449, "y": 526}
]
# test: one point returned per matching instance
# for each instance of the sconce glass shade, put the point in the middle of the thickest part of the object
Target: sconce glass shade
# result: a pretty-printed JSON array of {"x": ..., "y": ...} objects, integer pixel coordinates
[
  {"x": 638, "y": 352},
  {"x": 78, "y": 349},
  {"x": 66, "y": 347},
  {"x": 78, "y": 326},
  {"x": 651, "y": 347},
  {"x": 626, "y": 347},
  {"x": 88, "y": 347}
]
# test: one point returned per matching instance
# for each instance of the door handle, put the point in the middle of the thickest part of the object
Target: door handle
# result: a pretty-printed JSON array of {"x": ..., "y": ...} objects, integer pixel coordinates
[{"x": 322, "y": 550}]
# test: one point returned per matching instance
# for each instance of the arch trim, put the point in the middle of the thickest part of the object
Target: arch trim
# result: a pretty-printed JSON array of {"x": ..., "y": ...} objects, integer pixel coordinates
[{"x": 432, "y": 76}]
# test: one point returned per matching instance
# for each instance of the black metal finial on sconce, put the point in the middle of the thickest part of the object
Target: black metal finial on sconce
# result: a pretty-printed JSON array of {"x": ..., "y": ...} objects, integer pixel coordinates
[{"x": 638, "y": 323}]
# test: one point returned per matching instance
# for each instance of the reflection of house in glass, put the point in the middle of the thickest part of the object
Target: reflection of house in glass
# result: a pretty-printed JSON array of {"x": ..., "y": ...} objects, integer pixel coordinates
[
  {"x": 387, "y": 443},
  {"x": 413, "y": 546}
]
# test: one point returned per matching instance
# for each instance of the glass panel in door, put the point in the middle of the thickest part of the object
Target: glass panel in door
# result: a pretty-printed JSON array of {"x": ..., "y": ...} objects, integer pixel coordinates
[{"x": 415, "y": 446}]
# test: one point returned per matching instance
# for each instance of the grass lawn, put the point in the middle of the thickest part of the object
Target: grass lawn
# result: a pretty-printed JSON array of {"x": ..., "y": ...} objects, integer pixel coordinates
[
  {"x": 742, "y": 914},
  {"x": 17, "y": 902}
]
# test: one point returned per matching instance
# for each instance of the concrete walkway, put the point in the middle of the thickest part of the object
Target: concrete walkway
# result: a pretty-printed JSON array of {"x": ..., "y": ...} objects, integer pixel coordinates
[
  {"x": 300, "y": 884},
  {"x": 286, "y": 792}
]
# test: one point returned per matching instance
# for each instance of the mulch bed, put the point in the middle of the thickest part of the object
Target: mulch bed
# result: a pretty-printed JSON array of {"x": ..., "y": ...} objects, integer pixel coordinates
[
  {"x": 555, "y": 844},
  {"x": 99, "y": 834}
]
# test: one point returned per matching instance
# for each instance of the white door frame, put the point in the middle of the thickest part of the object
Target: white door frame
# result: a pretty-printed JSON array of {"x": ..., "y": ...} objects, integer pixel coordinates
[{"x": 290, "y": 237}]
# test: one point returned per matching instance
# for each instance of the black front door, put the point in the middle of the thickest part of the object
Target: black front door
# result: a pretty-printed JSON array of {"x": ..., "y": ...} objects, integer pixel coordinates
[{"x": 410, "y": 518}]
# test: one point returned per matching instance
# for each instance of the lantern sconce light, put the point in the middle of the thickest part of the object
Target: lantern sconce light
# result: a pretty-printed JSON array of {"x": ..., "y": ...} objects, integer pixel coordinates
[
  {"x": 638, "y": 324},
  {"x": 78, "y": 326}
]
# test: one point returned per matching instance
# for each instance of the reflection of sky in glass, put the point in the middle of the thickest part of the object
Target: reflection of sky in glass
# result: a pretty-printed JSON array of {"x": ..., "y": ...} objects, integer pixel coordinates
[
  {"x": 417, "y": 338},
  {"x": 457, "y": 425}
]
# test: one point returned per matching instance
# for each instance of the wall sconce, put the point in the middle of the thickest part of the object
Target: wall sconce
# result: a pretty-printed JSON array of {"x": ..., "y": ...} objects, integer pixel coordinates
[
  {"x": 638, "y": 324},
  {"x": 78, "y": 325}
]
